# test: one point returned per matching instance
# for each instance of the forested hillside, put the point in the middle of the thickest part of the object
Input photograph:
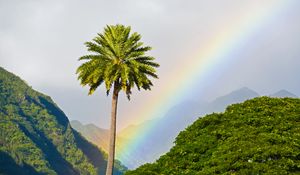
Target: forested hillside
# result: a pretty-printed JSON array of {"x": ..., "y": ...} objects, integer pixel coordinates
[
  {"x": 259, "y": 136},
  {"x": 36, "y": 136}
]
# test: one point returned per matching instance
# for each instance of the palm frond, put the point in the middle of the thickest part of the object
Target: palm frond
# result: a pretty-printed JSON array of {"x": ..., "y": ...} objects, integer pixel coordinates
[{"x": 118, "y": 58}]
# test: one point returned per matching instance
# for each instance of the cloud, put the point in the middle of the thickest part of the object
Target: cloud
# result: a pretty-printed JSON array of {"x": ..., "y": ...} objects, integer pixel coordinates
[{"x": 42, "y": 40}]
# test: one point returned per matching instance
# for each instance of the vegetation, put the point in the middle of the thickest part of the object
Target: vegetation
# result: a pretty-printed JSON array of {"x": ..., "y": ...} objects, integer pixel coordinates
[
  {"x": 259, "y": 136},
  {"x": 36, "y": 137},
  {"x": 119, "y": 61}
]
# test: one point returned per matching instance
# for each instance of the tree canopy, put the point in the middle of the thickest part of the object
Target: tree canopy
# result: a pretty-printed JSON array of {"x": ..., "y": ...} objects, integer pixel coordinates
[
  {"x": 259, "y": 136},
  {"x": 117, "y": 57}
]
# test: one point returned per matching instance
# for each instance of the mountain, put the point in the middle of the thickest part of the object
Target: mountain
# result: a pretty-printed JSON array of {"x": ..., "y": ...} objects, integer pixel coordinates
[
  {"x": 240, "y": 95},
  {"x": 96, "y": 135},
  {"x": 130, "y": 130},
  {"x": 175, "y": 120},
  {"x": 283, "y": 93},
  {"x": 37, "y": 138},
  {"x": 166, "y": 128},
  {"x": 259, "y": 136},
  {"x": 92, "y": 133}
]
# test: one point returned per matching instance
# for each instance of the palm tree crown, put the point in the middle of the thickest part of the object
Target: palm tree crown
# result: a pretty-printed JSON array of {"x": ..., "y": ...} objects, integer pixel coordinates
[{"x": 117, "y": 58}]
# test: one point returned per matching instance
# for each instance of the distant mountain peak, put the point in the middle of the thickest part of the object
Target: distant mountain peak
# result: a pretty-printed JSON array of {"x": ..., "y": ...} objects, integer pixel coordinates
[
  {"x": 75, "y": 122},
  {"x": 239, "y": 95},
  {"x": 236, "y": 96},
  {"x": 245, "y": 90},
  {"x": 284, "y": 93}
]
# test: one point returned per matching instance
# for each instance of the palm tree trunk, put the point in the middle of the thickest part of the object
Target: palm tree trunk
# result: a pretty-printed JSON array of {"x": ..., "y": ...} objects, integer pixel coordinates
[{"x": 112, "y": 139}]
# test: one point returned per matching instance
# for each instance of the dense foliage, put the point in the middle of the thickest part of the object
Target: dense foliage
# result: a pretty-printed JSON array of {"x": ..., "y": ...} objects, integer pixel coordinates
[
  {"x": 259, "y": 136},
  {"x": 36, "y": 137}
]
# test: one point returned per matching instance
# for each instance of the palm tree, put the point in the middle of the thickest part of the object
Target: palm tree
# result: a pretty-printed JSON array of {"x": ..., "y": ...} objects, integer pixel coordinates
[{"x": 118, "y": 59}]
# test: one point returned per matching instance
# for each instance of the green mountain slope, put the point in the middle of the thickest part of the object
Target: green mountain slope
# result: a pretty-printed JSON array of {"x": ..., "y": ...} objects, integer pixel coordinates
[
  {"x": 36, "y": 136},
  {"x": 92, "y": 133},
  {"x": 96, "y": 135},
  {"x": 259, "y": 136}
]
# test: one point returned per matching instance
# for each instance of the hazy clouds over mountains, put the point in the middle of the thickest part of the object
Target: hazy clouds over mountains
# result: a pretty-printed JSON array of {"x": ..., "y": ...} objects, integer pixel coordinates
[{"x": 42, "y": 40}]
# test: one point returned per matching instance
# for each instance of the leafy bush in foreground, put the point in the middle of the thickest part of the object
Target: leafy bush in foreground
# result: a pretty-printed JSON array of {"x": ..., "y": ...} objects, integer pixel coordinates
[{"x": 259, "y": 136}]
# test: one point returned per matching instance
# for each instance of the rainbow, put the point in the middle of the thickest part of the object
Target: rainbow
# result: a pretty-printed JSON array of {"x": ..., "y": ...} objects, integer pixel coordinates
[{"x": 216, "y": 53}]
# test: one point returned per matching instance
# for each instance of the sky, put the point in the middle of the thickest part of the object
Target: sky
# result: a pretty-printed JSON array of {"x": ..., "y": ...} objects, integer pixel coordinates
[{"x": 41, "y": 42}]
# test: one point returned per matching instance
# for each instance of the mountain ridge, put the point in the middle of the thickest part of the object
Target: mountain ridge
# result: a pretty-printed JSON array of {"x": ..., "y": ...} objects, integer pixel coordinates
[
  {"x": 283, "y": 93},
  {"x": 177, "y": 119},
  {"x": 37, "y": 138}
]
